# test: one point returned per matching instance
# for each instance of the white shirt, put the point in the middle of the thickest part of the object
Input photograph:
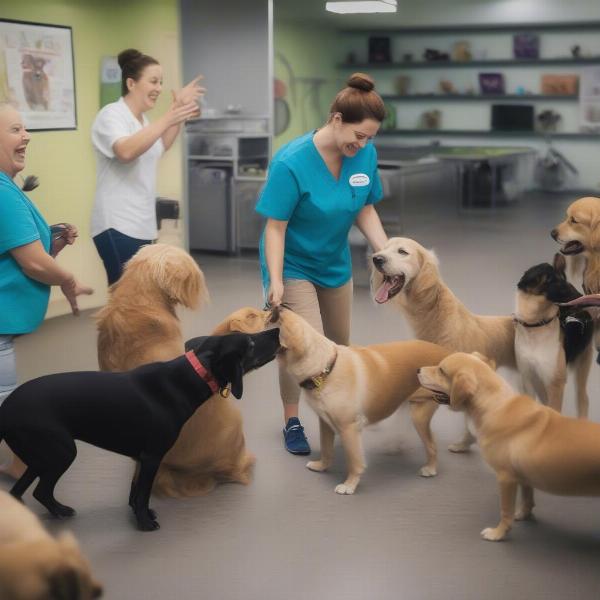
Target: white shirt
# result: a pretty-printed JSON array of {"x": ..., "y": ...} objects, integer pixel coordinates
[{"x": 125, "y": 192}]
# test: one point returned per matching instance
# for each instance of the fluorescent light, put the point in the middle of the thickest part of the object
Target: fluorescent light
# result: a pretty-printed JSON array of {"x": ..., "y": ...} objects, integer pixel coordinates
[{"x": 362, "y": 6}]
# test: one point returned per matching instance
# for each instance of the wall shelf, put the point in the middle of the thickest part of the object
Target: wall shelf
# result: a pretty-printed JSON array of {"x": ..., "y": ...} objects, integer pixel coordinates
[
  {"x": 489, "y": 133},
  {"x": 454, "y": 64},
  {"x": 481, "y": 28},
  {"x": 478, "y": 97}
]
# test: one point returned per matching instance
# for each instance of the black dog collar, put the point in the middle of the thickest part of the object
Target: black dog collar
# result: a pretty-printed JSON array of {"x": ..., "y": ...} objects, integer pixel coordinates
[
  {"x": 318, "y": 381},
  {"x": 536, "y": 324}
]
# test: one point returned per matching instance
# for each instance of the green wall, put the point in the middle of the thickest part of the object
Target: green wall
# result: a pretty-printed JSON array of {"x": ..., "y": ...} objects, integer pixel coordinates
[
  {"x": 64, "y": 160},
  {"x": 304, "y": 61}
]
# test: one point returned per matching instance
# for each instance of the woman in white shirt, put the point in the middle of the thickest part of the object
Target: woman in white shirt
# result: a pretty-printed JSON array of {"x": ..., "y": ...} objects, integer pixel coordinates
[{"x": 127, "y": 150}]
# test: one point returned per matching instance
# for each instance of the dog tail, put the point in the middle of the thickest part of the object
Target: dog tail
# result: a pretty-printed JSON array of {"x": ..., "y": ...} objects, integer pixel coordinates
[{"x": 186, "y": 483}]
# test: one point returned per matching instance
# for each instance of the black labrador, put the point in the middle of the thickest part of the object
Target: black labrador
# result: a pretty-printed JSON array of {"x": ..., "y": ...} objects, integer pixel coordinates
[{"x": 137, "y": 413}]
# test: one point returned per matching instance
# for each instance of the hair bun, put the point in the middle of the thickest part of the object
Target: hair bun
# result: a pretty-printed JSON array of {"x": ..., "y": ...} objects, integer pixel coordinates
[
  {"x": 361, "y": 81},
  {"x": 128, "y": 55}
]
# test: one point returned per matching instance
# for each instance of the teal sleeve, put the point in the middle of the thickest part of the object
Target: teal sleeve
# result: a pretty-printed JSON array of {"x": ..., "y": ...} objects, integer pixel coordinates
[
  {"x": 17, "y": 226},
  {"x": 280, "y": 194},
  {"x": 376, "y": 193}
]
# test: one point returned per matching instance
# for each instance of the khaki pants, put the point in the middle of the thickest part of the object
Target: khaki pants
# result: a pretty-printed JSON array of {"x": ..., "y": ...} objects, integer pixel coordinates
[{"x": 328, "y": 310}]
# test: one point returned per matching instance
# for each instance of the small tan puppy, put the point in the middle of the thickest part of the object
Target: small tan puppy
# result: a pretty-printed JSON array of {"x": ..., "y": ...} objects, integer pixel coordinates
[
  {"x": 352, "y": 386},
  {"x": 524, "y": 442},
  {"x": 36, "y": 566}
]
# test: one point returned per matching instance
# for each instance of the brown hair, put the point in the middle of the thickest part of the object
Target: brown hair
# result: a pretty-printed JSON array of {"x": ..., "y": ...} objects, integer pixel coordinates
[
  {"x": 132, "y": 63},
  {"x": 358, "y": 100}
]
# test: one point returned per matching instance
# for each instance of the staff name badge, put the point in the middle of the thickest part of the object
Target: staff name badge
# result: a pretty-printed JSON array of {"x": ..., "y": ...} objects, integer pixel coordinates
[{"x": 359, "y": 180}]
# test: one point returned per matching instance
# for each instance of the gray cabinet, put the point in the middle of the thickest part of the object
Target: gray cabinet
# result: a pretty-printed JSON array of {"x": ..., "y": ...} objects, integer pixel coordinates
[{"x": 227, "y": 162}]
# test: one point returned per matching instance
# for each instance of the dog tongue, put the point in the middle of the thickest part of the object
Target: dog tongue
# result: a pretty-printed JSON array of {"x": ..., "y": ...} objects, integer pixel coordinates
[{"x": 382, "y": 294}]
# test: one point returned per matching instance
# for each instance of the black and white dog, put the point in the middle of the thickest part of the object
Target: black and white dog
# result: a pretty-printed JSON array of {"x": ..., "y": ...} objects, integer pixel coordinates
[
  {"x": 137, "y": 413},
  {"x": 549, "y": 338}
]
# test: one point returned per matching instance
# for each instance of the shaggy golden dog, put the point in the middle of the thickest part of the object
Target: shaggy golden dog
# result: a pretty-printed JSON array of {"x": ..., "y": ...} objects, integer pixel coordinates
[
  {"x": 352, "y": 386},
  {"x": 407, "y": 274},
  {"x": 527, "y": 444},
  {"x": 139, "y": 324},
  {"x": 36, "y": 566},
  {"x": 211, "y": 447},
  {"x": 579, "y": 238}
]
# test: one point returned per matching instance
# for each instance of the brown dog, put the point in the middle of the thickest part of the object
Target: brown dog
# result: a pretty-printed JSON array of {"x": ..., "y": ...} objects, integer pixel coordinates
[
  {"x": 211, "y": 447},
  {"x": 139, "y": 324},
  {"x": 407, "y": 274},
  {"x": 36, "y": 566},
  {"x": 524, "y": 442},
  {"x": 351, "y": 386}
]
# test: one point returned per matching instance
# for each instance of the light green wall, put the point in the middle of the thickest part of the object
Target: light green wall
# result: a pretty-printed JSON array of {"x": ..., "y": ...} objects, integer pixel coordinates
[
  {"x": 64, "y": 160},
  {"x": 310, "y": 52}
]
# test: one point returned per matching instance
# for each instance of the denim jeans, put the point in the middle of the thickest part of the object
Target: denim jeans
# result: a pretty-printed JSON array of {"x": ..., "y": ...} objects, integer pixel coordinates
[{"x": 8, "y": 367}]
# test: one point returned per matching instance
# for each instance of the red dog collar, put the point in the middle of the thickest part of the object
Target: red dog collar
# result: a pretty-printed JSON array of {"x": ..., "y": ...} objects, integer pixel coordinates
[{"x": 202, "y": 371}]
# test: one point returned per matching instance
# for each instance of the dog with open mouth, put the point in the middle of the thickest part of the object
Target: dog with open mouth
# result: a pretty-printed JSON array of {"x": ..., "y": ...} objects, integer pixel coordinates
[
  {"x": 579, "y": 239},
  {"x": 407, "y": 274},
  {"x": 526, "y": 444},
  {"x": 549, "y": 337},
  {"x": 350, "y": 387}
]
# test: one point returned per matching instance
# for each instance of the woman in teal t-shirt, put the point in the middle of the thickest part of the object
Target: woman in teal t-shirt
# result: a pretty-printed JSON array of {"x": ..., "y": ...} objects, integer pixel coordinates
[
  {"x": 27, "y": 266},
  {"x": 318, "y": 186}
]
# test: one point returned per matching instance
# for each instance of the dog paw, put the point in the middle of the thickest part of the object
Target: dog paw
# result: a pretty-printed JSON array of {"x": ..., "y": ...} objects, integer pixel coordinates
[
  {"x": 147, "y": 524},
  {"x": 460, "y": 447},
  {"x": 316, "y": 465},
  {"x": 524, "y": 514},
  {"x": 427, "y": 471},
  {"x": 493, "y": 534},
  {"x": 344, "y": 489},
  {"x": 60, "y": 511}
]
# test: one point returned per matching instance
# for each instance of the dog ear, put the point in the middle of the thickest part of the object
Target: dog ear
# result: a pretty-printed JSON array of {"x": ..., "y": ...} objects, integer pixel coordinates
[
  {"x": 236, "y": 378},
  {"x": 490, "y": 362},
  {"x": 560, "y": 265},
  {"x": 464, "y": 386},
  {"x": 195, "y": 343}
]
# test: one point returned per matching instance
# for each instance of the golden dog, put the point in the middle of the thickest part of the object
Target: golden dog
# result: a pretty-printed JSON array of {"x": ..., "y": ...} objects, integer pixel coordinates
[
  {"x": 36, "y": 566},
  {"x": 524, "y": 442},
  {"x": 211, "y": 446},
  {"x": 139, "y": 324},
  {"x": 351, "y": 386},
  {"x": 407, "y": 274}
]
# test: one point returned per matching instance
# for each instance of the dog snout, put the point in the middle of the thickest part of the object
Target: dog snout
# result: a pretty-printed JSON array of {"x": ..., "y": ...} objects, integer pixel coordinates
[
  {"x": 379, "y": 261},
  {"x": 554, "y": 234}
]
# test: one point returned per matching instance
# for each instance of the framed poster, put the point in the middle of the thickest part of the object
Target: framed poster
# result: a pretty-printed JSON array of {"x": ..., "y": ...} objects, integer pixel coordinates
[{"x": 37, "y": 74}]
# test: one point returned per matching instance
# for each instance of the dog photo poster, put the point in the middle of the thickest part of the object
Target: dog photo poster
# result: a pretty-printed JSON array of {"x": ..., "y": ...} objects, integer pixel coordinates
[{"x": 36, "y": 73}]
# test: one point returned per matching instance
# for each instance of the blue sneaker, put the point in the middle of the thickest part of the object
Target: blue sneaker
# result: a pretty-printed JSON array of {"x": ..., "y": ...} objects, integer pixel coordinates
[{"x": 294, "y": 438}]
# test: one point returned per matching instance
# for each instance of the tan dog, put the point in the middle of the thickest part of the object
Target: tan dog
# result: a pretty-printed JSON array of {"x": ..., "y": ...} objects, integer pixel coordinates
[
  {"x": 36, "y": 566},
  {"x": 351, "y": 386},
  {"x": 524, "y": 442},
  {"x": 139, "y": 324},
  {"x": 407, "y": 274},
  {"x": 211, "y": 447}
]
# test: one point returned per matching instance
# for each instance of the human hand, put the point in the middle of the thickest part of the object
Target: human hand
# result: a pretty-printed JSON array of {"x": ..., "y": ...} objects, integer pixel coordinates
[
  {"x": 71, "y": 289},
  {"x": 191, "y": 92},
  {"x": 178, "y": 114},
  {"x": 275, "y": 293},
  {"x": 63, "y": 234}
]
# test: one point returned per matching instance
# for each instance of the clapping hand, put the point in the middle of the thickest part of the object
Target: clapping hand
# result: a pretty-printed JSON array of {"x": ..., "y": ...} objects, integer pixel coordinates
[{"x": 192, "y": 92}]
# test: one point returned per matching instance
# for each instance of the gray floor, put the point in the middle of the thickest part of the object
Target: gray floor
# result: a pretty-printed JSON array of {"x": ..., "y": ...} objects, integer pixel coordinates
[{"x": 287, "y": 534}]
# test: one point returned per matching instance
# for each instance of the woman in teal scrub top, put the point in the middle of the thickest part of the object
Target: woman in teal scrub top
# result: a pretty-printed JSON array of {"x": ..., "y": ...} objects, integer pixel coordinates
[
  {"x": 318, "y": 186},
  {"x": 27, "y": 265}
]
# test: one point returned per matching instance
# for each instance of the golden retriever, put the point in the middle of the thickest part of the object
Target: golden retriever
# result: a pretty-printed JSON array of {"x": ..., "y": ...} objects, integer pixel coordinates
[
  {"x": 36, "y": 566},
  {"x": 526, "y": 443},
  {"x": 352, "y": 386},
  {"x": 211, "y": 446},
  {"x": 139, "y": 324},
  {"x": 407, "y": 274}
]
